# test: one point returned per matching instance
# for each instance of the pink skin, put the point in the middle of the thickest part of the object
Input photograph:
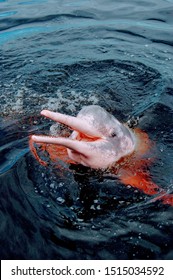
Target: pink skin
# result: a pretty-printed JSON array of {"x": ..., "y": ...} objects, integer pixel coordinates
[{"x": 109, "y": 139}]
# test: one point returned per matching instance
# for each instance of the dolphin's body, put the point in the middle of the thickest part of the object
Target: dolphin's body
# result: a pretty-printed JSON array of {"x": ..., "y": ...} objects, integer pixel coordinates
[{"x": 100, "y": 141}]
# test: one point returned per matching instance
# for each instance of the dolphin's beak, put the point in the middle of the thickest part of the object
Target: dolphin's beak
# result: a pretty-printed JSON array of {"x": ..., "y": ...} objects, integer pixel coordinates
[{"x": 82, "y": 147}]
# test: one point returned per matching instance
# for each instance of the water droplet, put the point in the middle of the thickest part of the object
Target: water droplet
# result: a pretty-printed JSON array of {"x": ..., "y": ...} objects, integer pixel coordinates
[
  {"x": 161, "y": 148},
  {"x": 52, "y": 185},
  {"x": 60, "y": 199}
]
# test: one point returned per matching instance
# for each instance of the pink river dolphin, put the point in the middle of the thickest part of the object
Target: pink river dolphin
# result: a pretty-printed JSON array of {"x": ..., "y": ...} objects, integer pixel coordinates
[{"x": 100, "y": 141}]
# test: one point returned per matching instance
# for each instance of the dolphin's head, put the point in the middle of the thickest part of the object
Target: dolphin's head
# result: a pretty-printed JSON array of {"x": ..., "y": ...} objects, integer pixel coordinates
[{"x": 98, "y": 138}]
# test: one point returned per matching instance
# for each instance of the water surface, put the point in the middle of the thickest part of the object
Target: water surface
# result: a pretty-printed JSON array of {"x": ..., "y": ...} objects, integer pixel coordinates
[{"x": 62, "y": 55}]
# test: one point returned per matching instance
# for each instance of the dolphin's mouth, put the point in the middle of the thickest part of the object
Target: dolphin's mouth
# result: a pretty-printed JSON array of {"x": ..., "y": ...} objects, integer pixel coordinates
[
  {"x": 86, "y": 138},
  {"x": 79, "y": 142},
  {"x": 47, "y": 152}
]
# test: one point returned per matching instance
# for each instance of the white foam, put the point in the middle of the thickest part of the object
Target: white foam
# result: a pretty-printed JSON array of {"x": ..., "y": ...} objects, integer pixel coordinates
[
  {"x": 26, "y": 101},
  {"x": 71, "y": 100}
]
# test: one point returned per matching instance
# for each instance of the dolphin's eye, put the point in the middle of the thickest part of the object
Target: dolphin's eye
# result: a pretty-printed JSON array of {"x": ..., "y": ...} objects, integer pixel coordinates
[{"x": 113, "y": 134}]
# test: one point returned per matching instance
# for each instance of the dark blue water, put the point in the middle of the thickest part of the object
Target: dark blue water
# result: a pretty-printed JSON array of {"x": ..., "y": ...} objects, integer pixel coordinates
[{"x": 62, "y": 55}]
